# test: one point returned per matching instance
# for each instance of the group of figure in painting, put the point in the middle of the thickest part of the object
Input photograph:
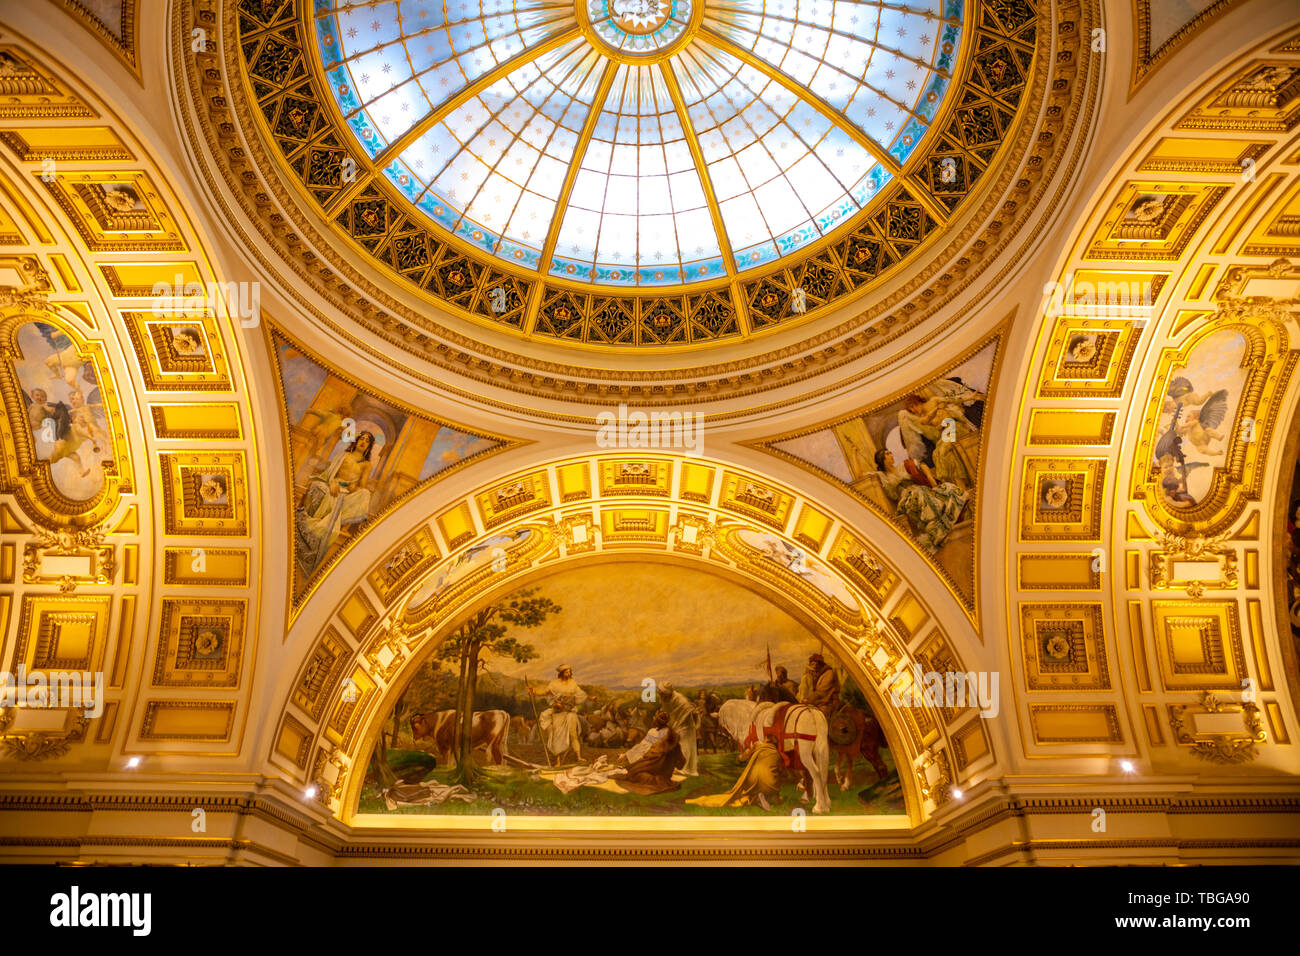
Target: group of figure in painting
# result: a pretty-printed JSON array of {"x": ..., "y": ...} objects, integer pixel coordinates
[
  {"x": 655, "y": 743},
  {"x": 933, "y": 485},
  {"x": 675, "y": 724}
]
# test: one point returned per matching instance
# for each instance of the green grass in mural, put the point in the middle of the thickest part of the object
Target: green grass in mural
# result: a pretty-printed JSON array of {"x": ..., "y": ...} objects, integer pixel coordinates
[{"x": 520, "y": 791}]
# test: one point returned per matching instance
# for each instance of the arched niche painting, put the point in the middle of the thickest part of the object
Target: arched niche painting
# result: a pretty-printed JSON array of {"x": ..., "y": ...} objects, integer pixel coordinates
[
  {"x": 633, "y": 688},
  {"x": 1210, "y": 420},
  {"x": 67, "y": 430},
  {"x": 1197, "y": 418}
]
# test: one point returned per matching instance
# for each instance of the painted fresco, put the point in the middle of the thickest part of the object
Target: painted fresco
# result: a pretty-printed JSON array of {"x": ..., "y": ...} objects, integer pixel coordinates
[
  {"x": 1201, "y": 402},
  {"x": 807, "y": 566},
  {"x": 916, "y": 459},
  {"x": 354, "y": 454},
  {"x": 634, "y": 688},
  {"x": 64, "y": 410}
]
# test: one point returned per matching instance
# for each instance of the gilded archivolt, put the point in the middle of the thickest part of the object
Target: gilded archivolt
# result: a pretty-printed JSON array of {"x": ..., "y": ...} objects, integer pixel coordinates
[
  {"x": 379, "y": 632},
  {"x": 79, "y": 571},
  {"x": 28, "y": 477},
  {"x": 1215, "y": 330},
  {"x": 1062, "y": 80}
]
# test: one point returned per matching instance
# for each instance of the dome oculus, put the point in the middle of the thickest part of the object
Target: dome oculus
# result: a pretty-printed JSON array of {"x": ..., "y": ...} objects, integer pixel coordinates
[{"x": 637, "y": 27}]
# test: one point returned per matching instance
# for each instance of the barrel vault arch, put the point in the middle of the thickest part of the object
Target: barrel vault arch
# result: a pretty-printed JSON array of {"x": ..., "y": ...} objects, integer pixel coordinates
[
  {"x": 690, "y": 515},
  {"x": 1133, "y": 317}
]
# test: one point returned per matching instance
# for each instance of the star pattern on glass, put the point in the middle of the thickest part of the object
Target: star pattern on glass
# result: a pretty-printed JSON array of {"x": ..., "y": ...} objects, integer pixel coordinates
[{"x": 772, "y": 124}]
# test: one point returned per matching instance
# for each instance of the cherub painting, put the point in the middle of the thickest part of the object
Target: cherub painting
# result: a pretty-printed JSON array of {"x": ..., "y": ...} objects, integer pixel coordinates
[
  {"x": 64, "y": 410},
  {"x": 800, "y": 562},
  {"x": 1197, "y": 417},
  {"x": 490, "y": 551}
]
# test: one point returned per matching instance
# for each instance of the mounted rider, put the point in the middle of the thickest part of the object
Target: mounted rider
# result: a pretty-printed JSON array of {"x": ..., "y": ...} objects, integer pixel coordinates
[{"x": 820, "y": 686}]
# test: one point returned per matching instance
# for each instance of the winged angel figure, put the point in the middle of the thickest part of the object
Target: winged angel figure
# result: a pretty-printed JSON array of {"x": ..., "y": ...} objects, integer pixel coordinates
[{"x": 1195, "y": 417}]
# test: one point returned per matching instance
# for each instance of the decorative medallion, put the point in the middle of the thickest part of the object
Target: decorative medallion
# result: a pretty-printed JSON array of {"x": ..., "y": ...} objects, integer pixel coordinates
[{"x": 638, "y": 27}]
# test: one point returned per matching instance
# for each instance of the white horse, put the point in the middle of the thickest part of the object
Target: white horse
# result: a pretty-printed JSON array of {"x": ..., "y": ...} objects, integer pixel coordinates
[{"x": 805, "y": 733}]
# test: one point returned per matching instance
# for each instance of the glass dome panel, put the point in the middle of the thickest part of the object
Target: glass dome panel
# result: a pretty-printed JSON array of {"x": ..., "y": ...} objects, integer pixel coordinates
[{"x": 639, "y": 142}]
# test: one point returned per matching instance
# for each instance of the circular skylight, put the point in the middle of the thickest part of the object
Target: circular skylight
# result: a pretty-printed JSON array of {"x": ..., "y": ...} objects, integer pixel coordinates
[
  {"x": 639, "y": 142},
  {"x": 637, "y": 27}
]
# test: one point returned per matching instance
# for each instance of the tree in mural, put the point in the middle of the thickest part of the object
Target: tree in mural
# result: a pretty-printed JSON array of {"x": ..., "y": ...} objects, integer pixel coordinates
[
  {"x": 432, "y": 688},
  {"x": 488, "y": 632}
]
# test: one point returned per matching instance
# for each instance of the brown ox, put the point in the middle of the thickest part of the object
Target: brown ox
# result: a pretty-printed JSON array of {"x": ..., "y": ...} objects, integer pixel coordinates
[
  {"x": 487, "y": 731},
  {"x": 522, "y": 728}
]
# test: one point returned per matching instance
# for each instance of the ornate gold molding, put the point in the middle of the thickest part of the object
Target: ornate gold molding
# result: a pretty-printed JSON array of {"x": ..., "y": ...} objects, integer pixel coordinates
[
  {"x": 85, "y": 544},
  {"x": 1218, "y": 746},
  {"x": 1269, "y": 362},
  {"x": 22, "y": 473},
  {"x": 1197, "y": 550}
]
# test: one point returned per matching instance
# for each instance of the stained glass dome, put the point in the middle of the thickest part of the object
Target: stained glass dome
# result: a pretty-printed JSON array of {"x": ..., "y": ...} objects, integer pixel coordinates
[{"x": 639, "y": 142}]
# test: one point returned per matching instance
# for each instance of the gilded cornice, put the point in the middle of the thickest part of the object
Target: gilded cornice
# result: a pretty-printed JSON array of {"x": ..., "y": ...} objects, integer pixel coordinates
[{"x": 921, "y": 845}]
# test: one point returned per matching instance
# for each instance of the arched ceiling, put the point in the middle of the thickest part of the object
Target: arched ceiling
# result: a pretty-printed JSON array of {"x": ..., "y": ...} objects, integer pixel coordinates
[
  {"x": 1115, "y": 562},
  {"x": 593, "y": 511}
]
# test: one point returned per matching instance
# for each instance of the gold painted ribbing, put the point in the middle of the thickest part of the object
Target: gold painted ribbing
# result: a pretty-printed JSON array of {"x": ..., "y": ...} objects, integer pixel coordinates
[
  {"x": 834, "y": 116},
  {"x": 697, "y": 154},
  {"x": 345, "y": 195},
  {"x": 468, "y": 92},
  {"x": 566, "y": 190}
]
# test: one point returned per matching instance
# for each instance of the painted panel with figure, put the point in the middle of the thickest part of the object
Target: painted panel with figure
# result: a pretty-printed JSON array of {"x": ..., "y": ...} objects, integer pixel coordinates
[
  {"x": 632, "y": 689},
  {"x": 354, "y": 454},
  {"x": 1196, "y": 419},
  {"x": 915, "y": 459},
  {"x": 65, "y": 410}
]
